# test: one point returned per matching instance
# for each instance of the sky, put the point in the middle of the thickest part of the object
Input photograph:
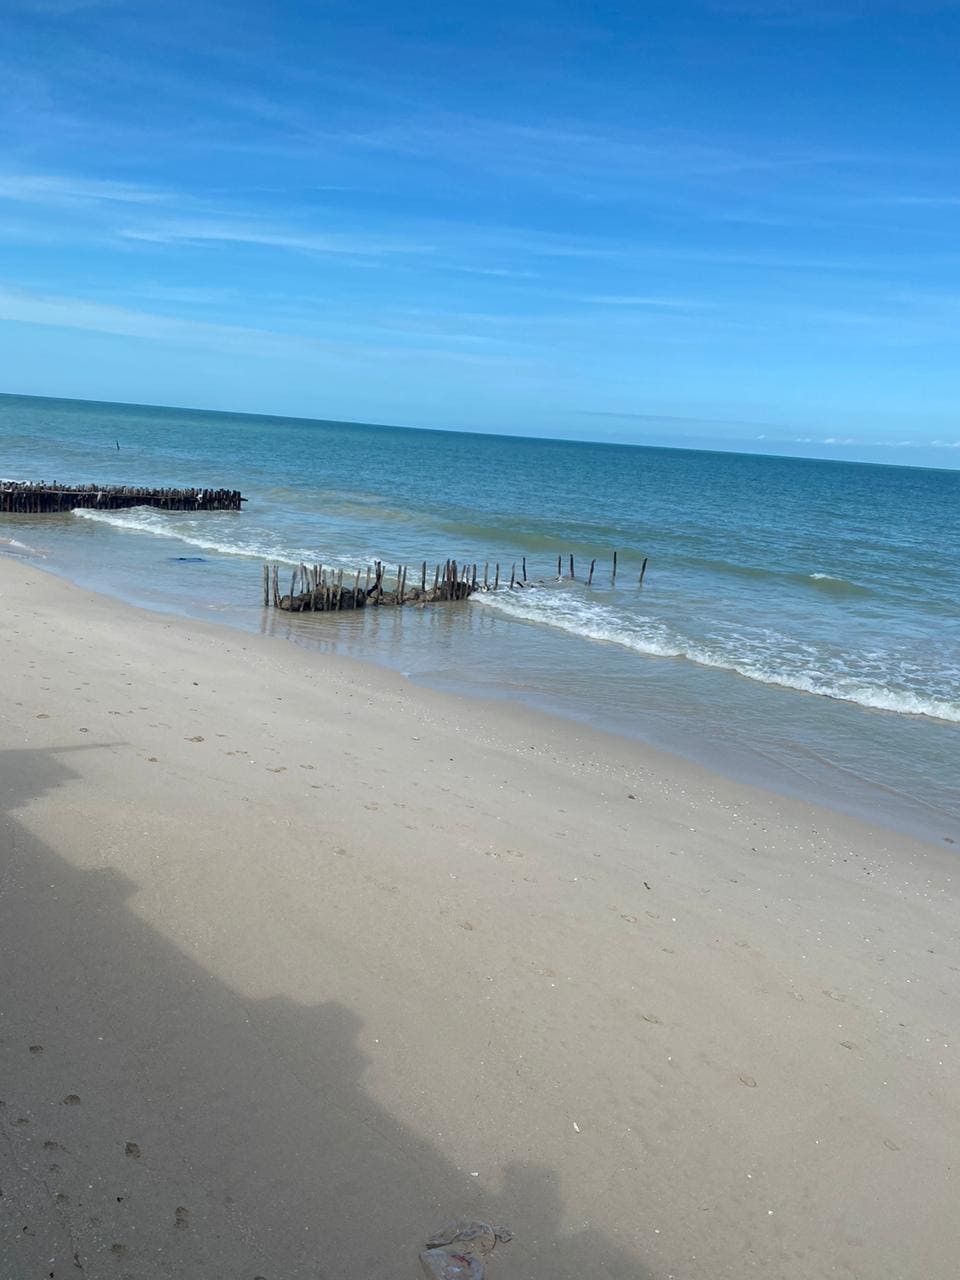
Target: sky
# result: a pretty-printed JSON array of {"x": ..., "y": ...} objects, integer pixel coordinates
[{"x": 704, "y": 223}]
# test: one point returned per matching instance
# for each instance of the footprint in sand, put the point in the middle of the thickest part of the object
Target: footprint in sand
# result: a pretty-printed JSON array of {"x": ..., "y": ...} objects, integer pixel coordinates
[
  {"x": 279, "y": 769},
  {"x": 43, "y": 716},
  {"x": 132, "y": 1150},
  {"x": 182, "y": 1217},
  {"x": 197, "y": 738},
  {"x": 72, "y": 1100},
  {"x": 36, "y": 1048}
]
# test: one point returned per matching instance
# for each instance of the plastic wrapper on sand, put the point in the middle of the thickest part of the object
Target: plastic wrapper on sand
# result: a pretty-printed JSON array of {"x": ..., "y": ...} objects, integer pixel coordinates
[{"x": 460, "y": 1250}]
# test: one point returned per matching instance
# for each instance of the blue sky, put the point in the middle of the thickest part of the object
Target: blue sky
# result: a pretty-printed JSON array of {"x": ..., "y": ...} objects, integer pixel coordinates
[{"x": 728, "y": 223}]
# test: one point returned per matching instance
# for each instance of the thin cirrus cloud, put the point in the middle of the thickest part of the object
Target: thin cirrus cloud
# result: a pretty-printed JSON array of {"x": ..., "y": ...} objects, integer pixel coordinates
[
  {"x": 56, "y": 189},
  {"x": 51, "y": 310},
  {"x": 827, "y": 12},
  {"x": 61, "y": 8},
  {"x": 552, "y": 153},
  {"x": 641, "y": 301},
  {"x": 199, "y": 232},
  {"x": 109, "y": 209}
]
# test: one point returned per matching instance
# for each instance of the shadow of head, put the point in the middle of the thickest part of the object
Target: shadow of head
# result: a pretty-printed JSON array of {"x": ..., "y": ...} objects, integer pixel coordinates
[{"x": 32, "y": 772}]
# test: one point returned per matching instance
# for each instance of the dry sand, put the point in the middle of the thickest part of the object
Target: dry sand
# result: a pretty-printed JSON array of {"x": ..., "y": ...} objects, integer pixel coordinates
[{"x": 299, "y": 961}]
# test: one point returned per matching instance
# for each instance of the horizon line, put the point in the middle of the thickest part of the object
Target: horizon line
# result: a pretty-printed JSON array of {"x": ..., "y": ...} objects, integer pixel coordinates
[{"x": 502, "y": 435}]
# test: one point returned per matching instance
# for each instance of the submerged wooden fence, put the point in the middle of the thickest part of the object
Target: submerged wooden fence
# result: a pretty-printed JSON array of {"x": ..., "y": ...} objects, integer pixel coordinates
[
  {"x": 314, "y": 589},
  {"x": 39, "y": 499}
]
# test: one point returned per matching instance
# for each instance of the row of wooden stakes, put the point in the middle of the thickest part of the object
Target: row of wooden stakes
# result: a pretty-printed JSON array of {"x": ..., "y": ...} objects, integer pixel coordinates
[
  {"x": 28, "y": 498},
  {"x": 314, "y": 589}
]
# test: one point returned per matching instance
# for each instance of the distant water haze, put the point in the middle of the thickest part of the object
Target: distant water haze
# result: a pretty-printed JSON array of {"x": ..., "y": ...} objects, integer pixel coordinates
[{"x": 799, "y": 624}]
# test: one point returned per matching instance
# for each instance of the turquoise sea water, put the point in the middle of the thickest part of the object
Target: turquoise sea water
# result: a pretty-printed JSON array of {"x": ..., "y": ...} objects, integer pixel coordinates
[{"x": 799, "y": 624}]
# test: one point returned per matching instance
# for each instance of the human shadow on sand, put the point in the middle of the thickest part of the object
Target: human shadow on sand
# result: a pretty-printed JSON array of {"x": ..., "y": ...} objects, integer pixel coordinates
[{"x": 155, "y": 1124}]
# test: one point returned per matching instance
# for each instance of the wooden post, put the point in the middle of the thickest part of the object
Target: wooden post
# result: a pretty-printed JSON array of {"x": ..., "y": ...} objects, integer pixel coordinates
[
  {"x": 436, "y": 580},
  {"x": 572, "y": 574},
  {"x": 524, "y": 568},
  {"x": 403, "y": 584},
  {"x": 276, "y": 587},
  {"x": 559, "y": 566},
  {"x": 473, "y": 579},
  {"x": 496, "y": 580},
  {"x": 366, "y": 589},
  {"x": 643, "y": 570},
  {"x": 613, "y": 576},
  {"x": 593, "y": 565},
  {"x": 423, "y": 577},
  {"x": 266, "y": 585},
  {"x": 513, "y": 575},
  {"x": 293, "y": 584},
  {"x": 486, "y": 582}
]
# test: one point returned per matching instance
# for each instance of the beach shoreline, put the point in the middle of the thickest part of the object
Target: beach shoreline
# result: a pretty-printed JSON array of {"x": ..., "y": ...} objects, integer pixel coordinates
[
  {"x": 756, "y": 772},
  {"x": 342, "y": 957}
]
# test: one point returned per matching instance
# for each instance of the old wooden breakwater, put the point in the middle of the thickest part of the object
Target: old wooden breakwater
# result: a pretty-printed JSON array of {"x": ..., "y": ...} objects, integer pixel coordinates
[
  {"x": 40, "y": 499},
  {"x": 314, "y": 589}
]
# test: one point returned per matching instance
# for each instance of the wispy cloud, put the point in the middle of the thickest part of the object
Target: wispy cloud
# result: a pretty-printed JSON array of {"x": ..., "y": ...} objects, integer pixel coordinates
[
  {"x": 640, "y": 301},
  {"x": 670, "y": 419},
  {"x": 945, "y": 201},
  {"x": 51, "y": 310},
  {"x": 61, "y": 8},
  {"x": 508, "y": 273},
  {"x": 55, "y": 189},
  {"x": 200, "y": 232},
  {"x": 577, "y": 159},
  {"x": 818, "y": 13}
]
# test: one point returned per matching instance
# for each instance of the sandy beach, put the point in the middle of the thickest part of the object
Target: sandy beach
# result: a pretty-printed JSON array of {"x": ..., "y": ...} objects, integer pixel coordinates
[{"x": 300, "y": 960}]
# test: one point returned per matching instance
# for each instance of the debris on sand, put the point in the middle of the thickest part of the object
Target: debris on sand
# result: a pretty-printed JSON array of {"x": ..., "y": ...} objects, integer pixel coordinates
[{"x": 460, "y": 1250}]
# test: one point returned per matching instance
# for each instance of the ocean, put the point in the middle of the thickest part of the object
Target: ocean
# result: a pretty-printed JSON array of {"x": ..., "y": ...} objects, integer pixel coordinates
[{"x": 798, "y": 626}]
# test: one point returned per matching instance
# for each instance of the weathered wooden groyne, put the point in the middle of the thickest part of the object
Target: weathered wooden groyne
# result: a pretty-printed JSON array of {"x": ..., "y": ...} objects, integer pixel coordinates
[
  {"x": 27, "y": 498},
  {"x": 314, "y": 589}
]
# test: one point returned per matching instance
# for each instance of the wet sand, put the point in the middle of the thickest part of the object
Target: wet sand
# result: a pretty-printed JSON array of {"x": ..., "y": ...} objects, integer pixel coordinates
[{"x": 299, "y": 961}]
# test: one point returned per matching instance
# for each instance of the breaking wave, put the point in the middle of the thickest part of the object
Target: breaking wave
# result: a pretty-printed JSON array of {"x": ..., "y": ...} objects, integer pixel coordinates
[
  {"x": 754, "y": 656},
  {"x": 190, "y": 531}
]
